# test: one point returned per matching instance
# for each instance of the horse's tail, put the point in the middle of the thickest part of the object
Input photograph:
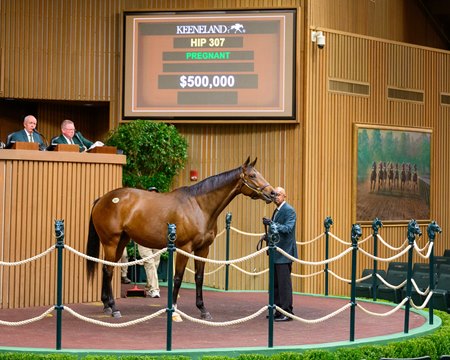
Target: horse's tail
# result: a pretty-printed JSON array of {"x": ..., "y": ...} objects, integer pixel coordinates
[{"x": 93, "y": 247}]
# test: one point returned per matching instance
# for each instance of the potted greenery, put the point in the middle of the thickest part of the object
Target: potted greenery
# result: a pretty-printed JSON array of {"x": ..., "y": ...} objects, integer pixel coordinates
[{"x": 156, "y": 152}]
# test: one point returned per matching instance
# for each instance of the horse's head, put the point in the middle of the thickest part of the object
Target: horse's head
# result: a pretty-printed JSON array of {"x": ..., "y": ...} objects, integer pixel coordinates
[
  {"x": 356, "y": 231},
  {"x": 432, "y": 229},
  {"x": 413, "y": 229},
  {"x": 59, "y": 228},
  {"x": 254, "y": 185}
]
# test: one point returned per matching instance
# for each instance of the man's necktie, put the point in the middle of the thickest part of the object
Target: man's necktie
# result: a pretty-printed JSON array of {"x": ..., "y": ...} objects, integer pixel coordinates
[
  {"x": 274, "y": 213},
  {"x": 30, "y": 136}
]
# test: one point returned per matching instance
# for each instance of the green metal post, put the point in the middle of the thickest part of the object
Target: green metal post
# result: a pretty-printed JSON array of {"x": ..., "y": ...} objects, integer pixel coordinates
[
  {"x": 171, "y": 237},
  {"x": 59, "y": 232},
  {"x": 356, "y": 233},
  {"x": 376, "y": 224},
  {"x": 227, "y": 255},
  {"x": 327, "y": 223},
  {"x": 413, "y": 229},
  {"x": 274, "y": 237},
  {"x": 432, "y": 228}
]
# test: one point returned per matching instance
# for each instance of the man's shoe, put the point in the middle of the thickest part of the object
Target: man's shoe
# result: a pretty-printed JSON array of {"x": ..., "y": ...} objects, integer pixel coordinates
[
  {"x": 283, "y": 318},
  {"x": 125, "y": 280},
  {"x": 275, "y": 316}
]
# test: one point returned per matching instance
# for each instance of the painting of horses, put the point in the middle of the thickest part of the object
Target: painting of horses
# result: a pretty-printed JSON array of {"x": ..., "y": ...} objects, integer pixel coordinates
[{"x": 393, "y": 174}]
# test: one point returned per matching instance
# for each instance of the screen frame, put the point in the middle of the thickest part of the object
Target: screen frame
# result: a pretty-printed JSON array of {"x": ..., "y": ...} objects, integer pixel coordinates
[{"x": 289, "y": 77}]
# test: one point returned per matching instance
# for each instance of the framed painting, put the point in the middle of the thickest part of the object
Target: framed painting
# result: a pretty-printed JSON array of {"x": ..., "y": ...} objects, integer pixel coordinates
[{"x": 392, "y": 179}]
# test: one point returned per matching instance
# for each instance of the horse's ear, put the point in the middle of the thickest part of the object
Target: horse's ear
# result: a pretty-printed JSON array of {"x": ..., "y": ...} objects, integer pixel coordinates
[
  {"x": 252, "y": 164},
  {"x": 246, "y": 162}
]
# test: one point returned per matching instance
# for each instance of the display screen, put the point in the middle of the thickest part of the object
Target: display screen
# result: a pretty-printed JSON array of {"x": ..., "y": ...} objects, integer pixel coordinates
[{"x": 203, "y": 65}]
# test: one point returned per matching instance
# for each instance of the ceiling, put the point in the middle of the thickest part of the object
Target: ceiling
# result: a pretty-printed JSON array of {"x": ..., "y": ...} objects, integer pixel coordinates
[{"x": 439, "y": 12}]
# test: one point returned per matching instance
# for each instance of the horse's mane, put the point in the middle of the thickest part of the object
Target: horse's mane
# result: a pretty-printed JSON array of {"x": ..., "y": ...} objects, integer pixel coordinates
[{"x": 212, "y": 182}]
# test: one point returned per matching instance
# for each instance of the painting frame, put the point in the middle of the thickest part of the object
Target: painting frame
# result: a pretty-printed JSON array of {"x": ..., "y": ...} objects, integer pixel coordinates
[{"x": 403, "y": 155}]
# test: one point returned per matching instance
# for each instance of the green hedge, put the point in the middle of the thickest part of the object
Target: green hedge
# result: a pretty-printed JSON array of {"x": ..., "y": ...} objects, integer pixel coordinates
[{"x": 434, "y": 345}]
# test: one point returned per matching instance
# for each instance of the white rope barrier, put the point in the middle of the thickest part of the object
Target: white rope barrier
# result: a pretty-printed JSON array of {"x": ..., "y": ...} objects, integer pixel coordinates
[
  {"x": 360, "y": 242},
  {"x": 117, "y": 264},
  {"x": 405, "y": 242},
  {"x": 233, "y": 263},
  {"x": 423, "y": 293},
  {"x": 404, "y": 251},
  {"x": 113, "y": 325},
  {"x": 222, "y": 323},
  {"x": 246, "y": 233},
  {"x": 250, "y": 273},
  {"x": 206, "y": 273},
  {"x": 21, "y": 262},
  {"x": 220, "y": 234},
  {"x": 311, "y": 241},
  {"x": 225, "y": 262},
  {"x": 383, "y": 314},
  {"x": 338, "y": 277},
  {"x": 425, "y": 303},
  {"x": 396, "y": 287},
  {"x": 314, "y": 321},
  {"x": 339, "y": 240},
  {"x": 419, "y": 251},
  {"x": 28, "y": 321},
  {"x": 345, "y": 252},
  {"x": 308, "y": 275}
]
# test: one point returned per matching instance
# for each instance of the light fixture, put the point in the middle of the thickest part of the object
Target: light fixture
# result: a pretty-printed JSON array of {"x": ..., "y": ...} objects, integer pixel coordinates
[{"x": 319, "y": 38}]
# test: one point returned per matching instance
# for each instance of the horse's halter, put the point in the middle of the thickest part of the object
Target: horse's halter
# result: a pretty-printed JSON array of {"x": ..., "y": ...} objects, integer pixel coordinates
[{"x": 258, "y": 191}]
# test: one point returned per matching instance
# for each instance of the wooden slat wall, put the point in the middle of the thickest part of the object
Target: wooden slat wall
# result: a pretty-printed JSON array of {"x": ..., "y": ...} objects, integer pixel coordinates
[
  {"x": 74, "y": 54},
  {"x": 331, "y": 116},
  {"x": 35, "y": 190}
]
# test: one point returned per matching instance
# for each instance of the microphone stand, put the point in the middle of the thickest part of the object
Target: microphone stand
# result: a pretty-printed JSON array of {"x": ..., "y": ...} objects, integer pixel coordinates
[
  {"x": 81, "y": 142},
  {"x": 43, "y": 138}
]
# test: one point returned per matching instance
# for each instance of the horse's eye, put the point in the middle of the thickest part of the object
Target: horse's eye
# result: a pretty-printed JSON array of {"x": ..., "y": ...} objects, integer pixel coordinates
[{"x": 252, "y": 176}]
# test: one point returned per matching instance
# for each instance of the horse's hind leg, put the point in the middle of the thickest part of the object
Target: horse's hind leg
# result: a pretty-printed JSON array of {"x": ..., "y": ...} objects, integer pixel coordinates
[{"x": 109, "y": 304}]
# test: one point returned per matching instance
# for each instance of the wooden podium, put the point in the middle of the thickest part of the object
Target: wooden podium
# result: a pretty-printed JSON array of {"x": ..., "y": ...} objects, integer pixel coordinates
[
  {"x": 67, "y": 147},
  {"x": 22, "y": 145},
  {"x": 37, "y": 187},
  {"x": 103, "y": 150}
]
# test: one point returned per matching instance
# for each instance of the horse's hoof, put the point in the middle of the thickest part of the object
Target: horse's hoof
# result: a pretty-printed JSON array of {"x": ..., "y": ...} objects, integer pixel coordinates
[
  {"x": 116, "y": 314},
  {"x": 176, "y": 317},
  {"x": 206, "y": 316},
  {"x": 107, "y": 311}
]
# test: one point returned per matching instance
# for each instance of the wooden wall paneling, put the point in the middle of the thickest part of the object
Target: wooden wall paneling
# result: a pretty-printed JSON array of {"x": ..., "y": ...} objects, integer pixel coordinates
[{"x": 31, "y": 194}]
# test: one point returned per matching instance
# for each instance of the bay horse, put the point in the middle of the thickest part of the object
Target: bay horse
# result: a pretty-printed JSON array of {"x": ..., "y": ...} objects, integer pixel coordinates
[{"x": 141, "y": 215}]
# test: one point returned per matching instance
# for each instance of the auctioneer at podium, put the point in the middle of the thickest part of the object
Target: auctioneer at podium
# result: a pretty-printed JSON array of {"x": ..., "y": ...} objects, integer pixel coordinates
[
  {"x": 29, "y": 134},
  {"x": 69, "y": 135}
]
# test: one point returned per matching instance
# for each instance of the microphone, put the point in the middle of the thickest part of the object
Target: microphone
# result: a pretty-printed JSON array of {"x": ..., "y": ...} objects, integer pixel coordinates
[
  {"x": 43, "y": 138},
  {"x": 78, "y": 137}
]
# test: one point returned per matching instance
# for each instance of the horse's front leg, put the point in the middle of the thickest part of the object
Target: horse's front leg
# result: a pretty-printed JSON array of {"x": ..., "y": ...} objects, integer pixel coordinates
[
  {"x": 180, "y": 266},
  {"x": 199, "y": 275},
  {"x": 109, "y": 304}
]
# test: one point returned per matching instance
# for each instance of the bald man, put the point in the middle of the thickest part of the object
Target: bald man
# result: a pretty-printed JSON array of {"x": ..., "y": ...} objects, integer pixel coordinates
[
  {"x": 28, "y": 134},
  {"x": 285, "y": 218}
]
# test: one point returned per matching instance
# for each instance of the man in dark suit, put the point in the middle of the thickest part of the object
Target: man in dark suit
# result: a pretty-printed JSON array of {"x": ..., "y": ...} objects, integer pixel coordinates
[
  {"x": 285, "y": 218},
  {"x": 71, "y": 136},
  {"x": 28, "y": 134}
]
